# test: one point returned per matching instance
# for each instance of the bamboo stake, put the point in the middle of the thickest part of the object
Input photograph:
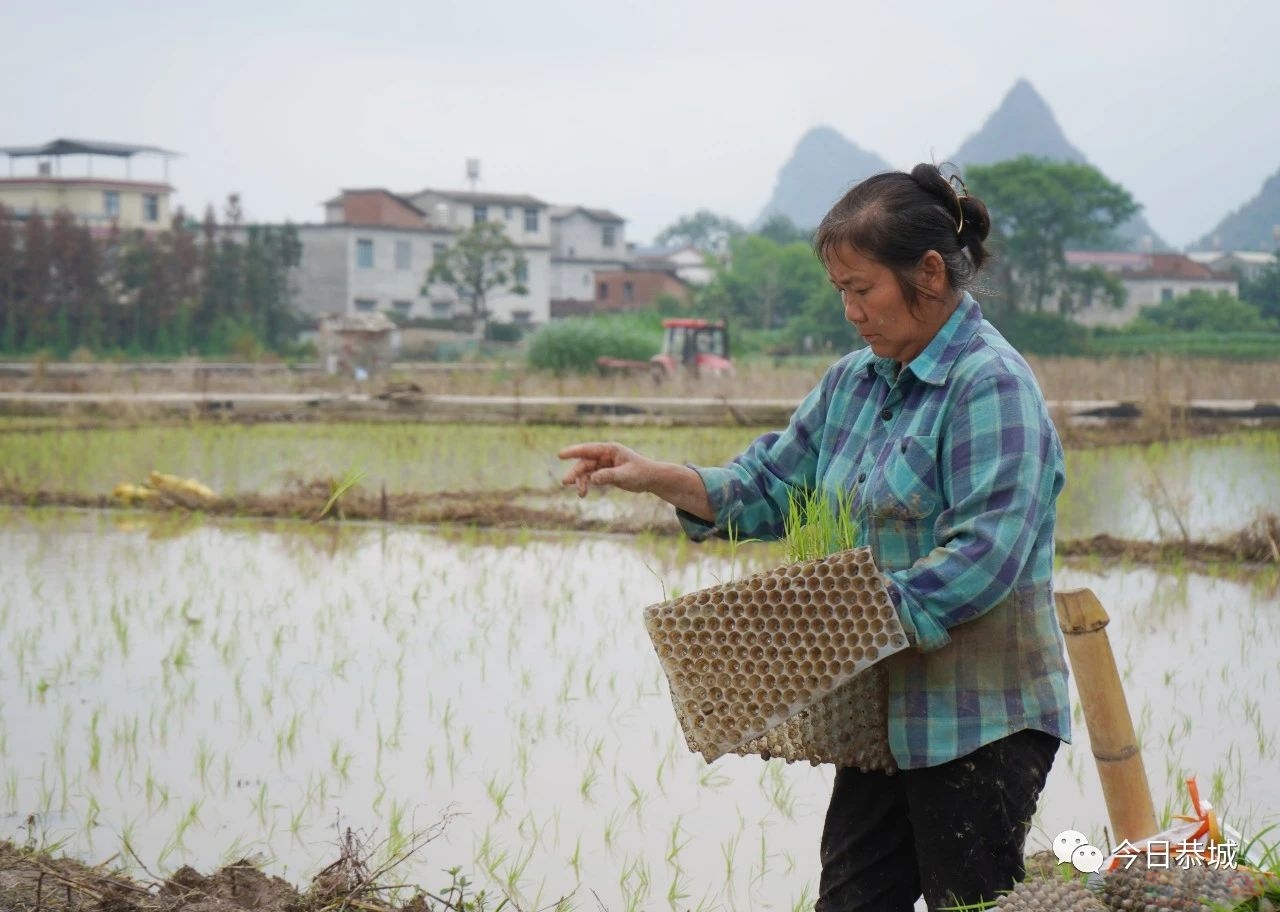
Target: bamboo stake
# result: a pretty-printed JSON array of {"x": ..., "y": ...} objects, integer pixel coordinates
[{"x": 1106, "y": 714}]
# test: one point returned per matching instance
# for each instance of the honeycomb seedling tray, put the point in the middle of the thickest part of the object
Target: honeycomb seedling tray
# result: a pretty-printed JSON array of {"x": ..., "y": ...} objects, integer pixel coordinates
[{"x": 783, "y": 663}]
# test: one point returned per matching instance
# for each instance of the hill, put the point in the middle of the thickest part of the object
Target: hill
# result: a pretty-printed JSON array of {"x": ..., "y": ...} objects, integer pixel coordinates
[
  {"x": 1251, "y": 227},
  {"x": 1024, "y": 124},
  {"x": 823, "y": 166}
]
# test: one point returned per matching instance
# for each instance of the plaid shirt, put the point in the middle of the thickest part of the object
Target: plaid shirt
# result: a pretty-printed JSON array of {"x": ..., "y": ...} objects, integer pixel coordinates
[{"x": 953, "y": 467}]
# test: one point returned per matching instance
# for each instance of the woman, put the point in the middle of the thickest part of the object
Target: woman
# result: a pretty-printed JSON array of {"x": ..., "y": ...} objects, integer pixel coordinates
[{"x": 939, "y": 436}]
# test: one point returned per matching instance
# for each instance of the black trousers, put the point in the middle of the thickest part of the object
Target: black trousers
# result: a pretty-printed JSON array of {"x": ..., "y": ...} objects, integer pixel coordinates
[{"x": 954, "y": 832}]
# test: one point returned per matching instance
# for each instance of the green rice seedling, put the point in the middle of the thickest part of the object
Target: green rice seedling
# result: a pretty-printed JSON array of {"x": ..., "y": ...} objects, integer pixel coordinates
[
  {"x": 498, "y": 793},
  {"x": 589, "y": 778},
  {"x": 204, "y": 761},
  {"x": 711, "y": 778},
  {"x": 516, "y": 870},
  {"x": 818, "y": 524},
  {"x": 729, "y": 851},
  {"x": 804, "y": 901},
  {"x": 95, "y": 741},
  {"x": 674, "y": 845},
  {"x": 575, "y": 860}
]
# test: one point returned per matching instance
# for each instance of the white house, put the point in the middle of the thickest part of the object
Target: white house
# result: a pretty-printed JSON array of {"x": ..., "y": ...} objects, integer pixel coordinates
[
  {"x": 525, "y": 220},
  {"x": 688, "y": 263},
  {"x": 583, "y": 242},
  {"x": 1148, "y": 279}
]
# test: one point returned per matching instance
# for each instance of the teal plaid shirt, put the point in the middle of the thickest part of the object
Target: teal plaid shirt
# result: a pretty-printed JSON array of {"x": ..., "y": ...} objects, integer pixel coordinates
[{"x": 953, "y": 467}]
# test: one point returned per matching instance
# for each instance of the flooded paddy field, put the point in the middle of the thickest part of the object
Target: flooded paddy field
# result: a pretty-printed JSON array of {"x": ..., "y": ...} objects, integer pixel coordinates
[{"x": 209, "y": 689}]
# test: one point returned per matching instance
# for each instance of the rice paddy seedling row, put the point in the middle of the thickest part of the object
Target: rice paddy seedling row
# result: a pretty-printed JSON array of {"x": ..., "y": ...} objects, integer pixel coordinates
[{"x": 248, "y": 688}]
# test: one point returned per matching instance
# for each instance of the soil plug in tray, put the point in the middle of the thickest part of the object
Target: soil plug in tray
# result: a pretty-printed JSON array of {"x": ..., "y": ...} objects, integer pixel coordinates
[{"x": 783, "y": 663}]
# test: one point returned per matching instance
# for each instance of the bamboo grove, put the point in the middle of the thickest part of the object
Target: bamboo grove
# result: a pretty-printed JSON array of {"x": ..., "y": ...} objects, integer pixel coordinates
[{"x": 196, "y": 288}]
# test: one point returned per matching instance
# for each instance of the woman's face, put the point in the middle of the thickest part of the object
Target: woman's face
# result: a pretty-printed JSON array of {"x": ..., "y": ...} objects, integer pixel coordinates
[{"x": 875, "y": 305}]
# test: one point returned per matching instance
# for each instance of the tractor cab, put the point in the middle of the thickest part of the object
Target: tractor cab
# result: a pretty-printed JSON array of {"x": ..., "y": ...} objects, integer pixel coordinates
[{"x": 699, "y": 346}]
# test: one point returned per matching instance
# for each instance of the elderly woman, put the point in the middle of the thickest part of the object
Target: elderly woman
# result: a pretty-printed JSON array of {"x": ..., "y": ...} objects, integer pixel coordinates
[{"x": 938, "y": 437}]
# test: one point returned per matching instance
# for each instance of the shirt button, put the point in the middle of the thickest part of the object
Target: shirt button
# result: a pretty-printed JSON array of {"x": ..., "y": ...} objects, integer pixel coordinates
[
  {"x": 862, "y": 476},
  {"x": 886, "y": 414}
]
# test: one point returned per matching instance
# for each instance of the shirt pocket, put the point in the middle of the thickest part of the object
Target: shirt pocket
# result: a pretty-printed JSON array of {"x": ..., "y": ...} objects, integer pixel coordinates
[{"x": 905, "y": 485}]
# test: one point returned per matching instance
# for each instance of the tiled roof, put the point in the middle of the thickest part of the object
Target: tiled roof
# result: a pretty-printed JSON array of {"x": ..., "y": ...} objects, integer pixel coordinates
[
  {"x": 600, "y": 215},
  {"x": 1143, "y": 265}
]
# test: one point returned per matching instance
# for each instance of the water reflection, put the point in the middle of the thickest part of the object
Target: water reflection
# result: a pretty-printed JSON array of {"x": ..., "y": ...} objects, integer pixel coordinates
[{"x": 234, "y": 688}]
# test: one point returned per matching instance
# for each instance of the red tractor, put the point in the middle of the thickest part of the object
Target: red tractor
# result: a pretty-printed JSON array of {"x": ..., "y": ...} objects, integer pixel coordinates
[{"x": 700, "y": 347}]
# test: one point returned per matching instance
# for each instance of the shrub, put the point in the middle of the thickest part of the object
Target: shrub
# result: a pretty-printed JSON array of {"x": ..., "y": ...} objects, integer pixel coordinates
[
  {"x": 1202, "y": 311},
  {"x": 575, "y": 344}
]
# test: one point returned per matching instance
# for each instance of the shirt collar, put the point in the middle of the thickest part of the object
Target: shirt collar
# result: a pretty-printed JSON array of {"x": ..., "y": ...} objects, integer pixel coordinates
[{"x": 934, "y": 363}]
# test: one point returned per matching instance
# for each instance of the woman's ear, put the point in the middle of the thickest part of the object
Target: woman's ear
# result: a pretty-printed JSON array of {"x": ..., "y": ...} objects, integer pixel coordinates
[{"x": 932, "y": 275}]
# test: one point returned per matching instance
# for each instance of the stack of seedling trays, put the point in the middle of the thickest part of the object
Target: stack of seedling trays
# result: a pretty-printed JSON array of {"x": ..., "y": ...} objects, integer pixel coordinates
[{"x": 784, "y": 663}]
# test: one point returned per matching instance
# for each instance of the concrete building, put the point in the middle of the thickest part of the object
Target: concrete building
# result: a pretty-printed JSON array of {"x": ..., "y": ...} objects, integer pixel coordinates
[
  {"x": 94, "y": 181},
  {"x": 583, "y": 242},
  {"x": 371, "y": 255},
  {"x": 375, "y": 248},
  {"x": 1148, "y": 279}
]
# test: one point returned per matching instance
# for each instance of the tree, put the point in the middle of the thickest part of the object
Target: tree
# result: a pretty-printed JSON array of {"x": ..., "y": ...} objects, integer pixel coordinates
[
  {"x": 1263, "y": 291},
  {"x": 1079, "y": 287},
  {"x": 1039, "y": 207},
  {"x": 704, "y": 230},
  {"x": 781, "y": 230},
  {"x": 482, "y": 261},
  {"x": 766, "y": 284}
]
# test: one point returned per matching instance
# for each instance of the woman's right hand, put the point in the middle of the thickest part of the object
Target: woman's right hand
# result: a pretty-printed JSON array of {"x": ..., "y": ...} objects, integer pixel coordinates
[{"x": 609, "y": 464}]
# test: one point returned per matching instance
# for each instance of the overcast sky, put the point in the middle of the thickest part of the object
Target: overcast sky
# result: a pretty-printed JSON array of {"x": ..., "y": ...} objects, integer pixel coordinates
[{"x": 652, "y": 108}]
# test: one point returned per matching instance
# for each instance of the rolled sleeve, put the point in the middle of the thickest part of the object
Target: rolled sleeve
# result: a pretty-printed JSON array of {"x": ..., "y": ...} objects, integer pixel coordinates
[{"x": 719, "y": 485}]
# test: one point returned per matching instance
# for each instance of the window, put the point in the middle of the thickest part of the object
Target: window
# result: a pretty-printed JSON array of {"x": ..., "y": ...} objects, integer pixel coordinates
[
  {"x": 438, "y": 250},
  {"x": 607, "y": 235},
  {"x": 522, "y": 271},
  {"x": 530, "y": 219},
  {"x": 586, "y": 279},
  {"x": 628, "y": 293},
  {"x": 506, "y": 213},
  {"x": 441, "y": 308},
  {"x": 402, "y": 307},
  {"x": 480, "y": 214},
  {"x": 111, "y": 203},
  {"x": 151, "y": 207},
  {"x": 402, "y": 255},
  {"x": 366, "y": 305},
  {"x": 1166, "y": 295},
  {"x": 364, "y": 253},
  {"x": 602, "y": 292},
  {"x": 521, "y": 317}
]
